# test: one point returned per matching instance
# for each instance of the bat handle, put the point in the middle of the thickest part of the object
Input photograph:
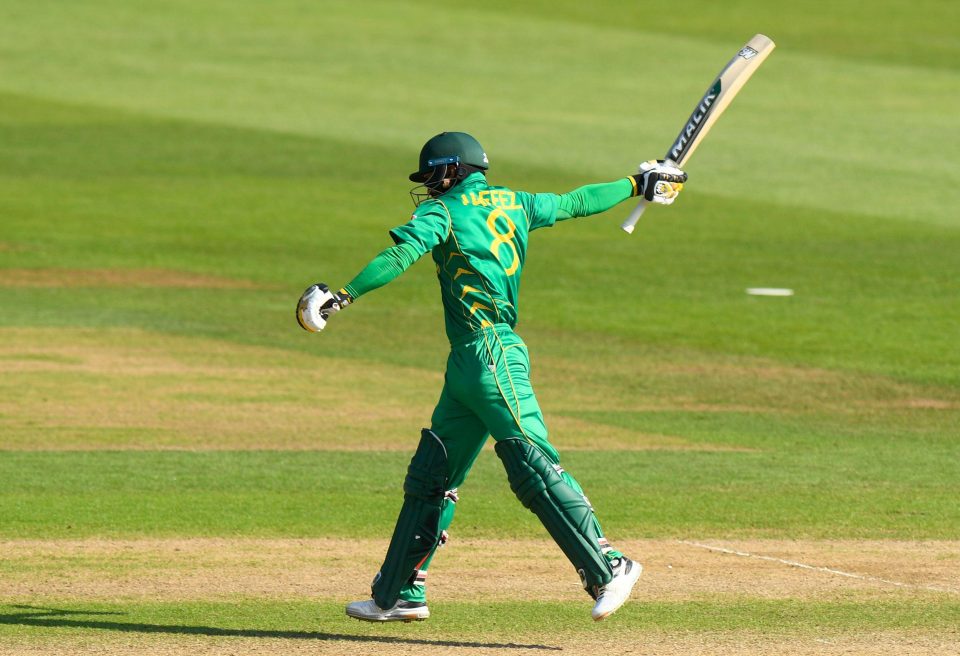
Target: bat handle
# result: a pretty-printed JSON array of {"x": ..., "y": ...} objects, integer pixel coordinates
[{"x": 634, "y": 217}]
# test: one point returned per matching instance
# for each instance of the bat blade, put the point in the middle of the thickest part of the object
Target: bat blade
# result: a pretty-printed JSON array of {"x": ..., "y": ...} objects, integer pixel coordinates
[{"x": 712, "y": 104}]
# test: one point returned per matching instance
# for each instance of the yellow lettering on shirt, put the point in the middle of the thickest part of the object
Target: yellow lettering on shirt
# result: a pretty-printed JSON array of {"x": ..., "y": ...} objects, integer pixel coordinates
[{"x": 501, "y": 198}]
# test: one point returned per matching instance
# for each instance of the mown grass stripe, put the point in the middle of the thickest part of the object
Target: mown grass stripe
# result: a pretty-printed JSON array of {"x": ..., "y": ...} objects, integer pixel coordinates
[{"x": 672, "y": 494}]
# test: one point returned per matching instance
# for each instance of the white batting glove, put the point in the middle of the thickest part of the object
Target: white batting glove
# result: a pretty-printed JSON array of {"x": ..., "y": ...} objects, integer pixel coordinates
[
  {"x": 659, "y": 182},
  {"x": 318, "y": 304}
]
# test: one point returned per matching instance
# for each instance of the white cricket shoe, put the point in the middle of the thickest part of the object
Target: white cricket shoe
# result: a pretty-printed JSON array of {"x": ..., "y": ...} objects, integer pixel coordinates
[
  {"x": 402, "y": 611},
  {"x": 612, "y": 596}
]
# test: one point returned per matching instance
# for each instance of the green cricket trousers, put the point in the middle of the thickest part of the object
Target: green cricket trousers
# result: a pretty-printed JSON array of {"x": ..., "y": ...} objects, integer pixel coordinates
[{"x": 486, "y": 392}]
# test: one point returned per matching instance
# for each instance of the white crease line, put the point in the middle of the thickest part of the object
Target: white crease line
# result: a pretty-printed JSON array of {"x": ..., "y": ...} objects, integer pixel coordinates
[{"x": 793, "y": 563}]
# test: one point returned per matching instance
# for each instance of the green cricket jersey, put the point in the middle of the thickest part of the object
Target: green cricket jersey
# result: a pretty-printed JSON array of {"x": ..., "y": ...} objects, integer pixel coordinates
[{"x": 478, "y": 236}]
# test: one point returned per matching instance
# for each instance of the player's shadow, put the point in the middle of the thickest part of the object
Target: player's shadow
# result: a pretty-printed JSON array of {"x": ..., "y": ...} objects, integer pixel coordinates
[{"x": 53, "y": 617}]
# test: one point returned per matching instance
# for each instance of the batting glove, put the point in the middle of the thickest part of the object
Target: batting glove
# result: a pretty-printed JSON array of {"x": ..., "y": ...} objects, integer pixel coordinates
[
  {"x": 658, "y": 182},
  {"x": 318, "y": 304}
]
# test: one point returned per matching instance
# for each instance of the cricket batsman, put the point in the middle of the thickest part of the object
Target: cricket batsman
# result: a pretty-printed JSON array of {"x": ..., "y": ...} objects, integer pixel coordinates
[{"x": 477, "y": 235}]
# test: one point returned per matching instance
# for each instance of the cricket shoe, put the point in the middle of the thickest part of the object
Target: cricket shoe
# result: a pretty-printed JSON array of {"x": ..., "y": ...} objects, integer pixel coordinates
[
  {"x": 612, "y": 596},
  {"x": 402, "y": 611}
]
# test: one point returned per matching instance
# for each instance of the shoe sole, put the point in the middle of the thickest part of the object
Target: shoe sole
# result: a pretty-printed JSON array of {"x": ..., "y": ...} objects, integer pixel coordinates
[
  {"x": 393, "y": 618},
  {"x": 625, "y": 598}
]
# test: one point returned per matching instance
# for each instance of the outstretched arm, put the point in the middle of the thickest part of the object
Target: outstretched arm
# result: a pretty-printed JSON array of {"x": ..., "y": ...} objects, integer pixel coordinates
[
  {"x": 655, "y": 181},
  {"x": 386, "y": 266},
  {"x": 594, "y": 198},
  {"x": 425, "y": 229},
  {"x": 318, "y": 303}
]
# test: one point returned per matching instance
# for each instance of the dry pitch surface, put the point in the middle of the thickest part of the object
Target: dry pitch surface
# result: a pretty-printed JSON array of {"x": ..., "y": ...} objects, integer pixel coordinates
[{"x": 42, "y": 573}]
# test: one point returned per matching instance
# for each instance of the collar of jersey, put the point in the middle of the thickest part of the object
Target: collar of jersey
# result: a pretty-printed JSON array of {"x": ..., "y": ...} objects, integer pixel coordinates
[{"x": 475, "y": 179}]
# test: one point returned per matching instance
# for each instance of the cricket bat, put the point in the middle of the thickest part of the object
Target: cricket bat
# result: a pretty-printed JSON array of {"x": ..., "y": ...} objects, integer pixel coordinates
[{"x": 719, "y": 94}]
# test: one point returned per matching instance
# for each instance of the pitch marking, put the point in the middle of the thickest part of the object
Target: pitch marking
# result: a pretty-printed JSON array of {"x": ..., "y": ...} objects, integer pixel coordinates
[{"x": 829, "y": 570}]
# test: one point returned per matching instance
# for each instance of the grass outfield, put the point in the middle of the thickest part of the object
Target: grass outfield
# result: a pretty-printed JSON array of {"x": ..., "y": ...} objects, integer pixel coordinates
[{"x": 173, "y": 174}]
